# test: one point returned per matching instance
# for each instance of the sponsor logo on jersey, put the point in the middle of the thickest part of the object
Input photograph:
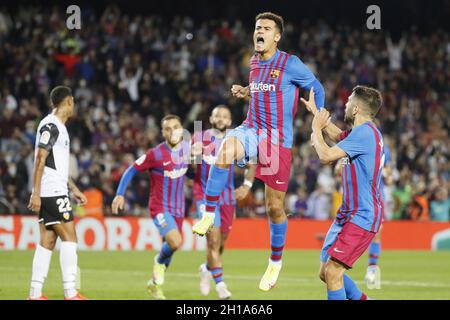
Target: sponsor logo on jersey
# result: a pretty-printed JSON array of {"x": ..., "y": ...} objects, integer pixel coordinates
[
  {"x": 345, "y": 161},
  {"x": 176, "y": 173},
  {"x": 258, "y": 87}
]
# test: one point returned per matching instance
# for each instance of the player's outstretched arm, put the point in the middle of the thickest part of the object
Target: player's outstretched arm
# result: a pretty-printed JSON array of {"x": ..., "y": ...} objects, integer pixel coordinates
[
  {"x": 331, "y": 130},
  {"x": 326, "y": 154},
  {"x": 119, "y": 200},
  {"x": 35, "y": 199},
  {"x": 242, "y": 192},
  {"x": 240, "y": 92}
]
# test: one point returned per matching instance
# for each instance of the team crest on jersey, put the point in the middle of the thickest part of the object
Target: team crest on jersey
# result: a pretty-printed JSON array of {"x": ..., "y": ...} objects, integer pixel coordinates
[
  {"x": 274, "y": 73},
  {"x": 66, "y": 216}
]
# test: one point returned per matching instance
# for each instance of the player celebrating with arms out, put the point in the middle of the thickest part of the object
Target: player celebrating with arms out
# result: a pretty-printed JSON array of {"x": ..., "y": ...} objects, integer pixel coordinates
[
  {"x": 360, "y": 215},
  {"x": 267, "y": 133},
  {"x": 206, "y": 144},
  {"x": 167, "y": 164},
  {"x": 51, "y": 199}
]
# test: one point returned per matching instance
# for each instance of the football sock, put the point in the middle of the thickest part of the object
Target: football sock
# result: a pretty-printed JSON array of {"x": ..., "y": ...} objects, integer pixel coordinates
[
  {"x": 165, "y": 255},
  {"x": 68, "y": 260},
  {"x": 336, "y": 295},
  {"x": 374, "y": 253},
  {"x": 41, "y": 264},
  {"x": 277, "y": 240},
  {"x": 351, "y": 290},
  {"x": 217, "y": 274},
  {"x": 217, "y": 180}
]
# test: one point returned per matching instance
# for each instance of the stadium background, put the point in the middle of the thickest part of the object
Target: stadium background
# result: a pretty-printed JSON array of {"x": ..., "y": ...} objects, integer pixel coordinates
[{"x": 184, "y": 57}]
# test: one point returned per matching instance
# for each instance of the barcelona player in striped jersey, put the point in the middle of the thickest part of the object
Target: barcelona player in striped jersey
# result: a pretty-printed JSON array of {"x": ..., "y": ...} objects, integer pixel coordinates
[
  {"x": 266, "y": 135},
  {"x": 360, "y": 216},
  {"x": 167, "y": 164},
  {"x": 206, "y": 144}
]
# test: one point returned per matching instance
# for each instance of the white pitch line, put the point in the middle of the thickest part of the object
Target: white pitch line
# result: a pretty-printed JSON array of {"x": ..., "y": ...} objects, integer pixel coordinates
[{"x": 250, "y": 278}]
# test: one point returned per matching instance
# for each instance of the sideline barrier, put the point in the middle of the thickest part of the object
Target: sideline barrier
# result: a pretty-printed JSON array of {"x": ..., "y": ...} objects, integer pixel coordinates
[{"x": 131, "y": 233}]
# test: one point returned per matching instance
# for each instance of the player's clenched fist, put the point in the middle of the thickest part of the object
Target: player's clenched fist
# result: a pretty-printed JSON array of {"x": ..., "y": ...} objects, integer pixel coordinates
[
  {"x": 117, "y": 204},
  {"x": 239, "y": 91},
  {"x": 35, "y": 203}
]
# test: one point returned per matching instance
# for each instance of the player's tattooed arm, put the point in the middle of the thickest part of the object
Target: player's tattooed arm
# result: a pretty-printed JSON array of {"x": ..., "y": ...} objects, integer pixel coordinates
[
  {"x": 240, "y": 92},
  {"x": 326, "y": 153},
  {"x": 78, "y": 195},
  {"x": 331, "y": 130},
  {"x": 35, "y": 198},
  {"x": 242, "y": 192}
]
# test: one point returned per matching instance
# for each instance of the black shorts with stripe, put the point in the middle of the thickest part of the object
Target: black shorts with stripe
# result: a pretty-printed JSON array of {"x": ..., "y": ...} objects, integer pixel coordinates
[{"x": 54, "y": 210}]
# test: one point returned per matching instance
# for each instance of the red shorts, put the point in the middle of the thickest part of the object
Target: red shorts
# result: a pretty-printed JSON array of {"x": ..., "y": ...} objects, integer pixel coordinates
[
  {"x": 226, "y": 218},
  {"x": 350, "y": 244},
  {"x": 274, "y": 166}
]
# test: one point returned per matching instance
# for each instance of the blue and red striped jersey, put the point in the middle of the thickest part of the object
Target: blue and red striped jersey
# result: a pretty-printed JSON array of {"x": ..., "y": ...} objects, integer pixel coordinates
[
  {"x": 361, "y": 177},
  {"x": 274, "y": 89},
  {"x": 211, "y": 145},
  {"x": 167, "y": 170}
]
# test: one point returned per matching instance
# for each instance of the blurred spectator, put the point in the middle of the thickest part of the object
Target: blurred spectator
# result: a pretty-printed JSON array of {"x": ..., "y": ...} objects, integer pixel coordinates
[
  {"x": 127, "y": 72},
  {"x": 440, "y": 205}
]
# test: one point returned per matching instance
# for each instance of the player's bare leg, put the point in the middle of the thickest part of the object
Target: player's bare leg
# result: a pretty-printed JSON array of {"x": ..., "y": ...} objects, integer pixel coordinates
[
  {"x": 224, "y": 237},
  {"x": 68, "y": 259},
  {"x": 278, "y": 228},
  {"x": 41, "y": 262},
  {"x": 172, "y": 242},
  {"x": 333, "y": 274},
  {"x": 373, "y": 274},
  {"x": 230, "y": 151}
]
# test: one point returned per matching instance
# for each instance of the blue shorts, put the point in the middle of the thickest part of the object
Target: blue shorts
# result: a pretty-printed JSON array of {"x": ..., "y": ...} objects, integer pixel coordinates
[
  {"x": 217, "y": 220},
  {"x": 330, "y": 239},
  {"x": 166, "y": 222},
  {"x": 249, "y": 139}
]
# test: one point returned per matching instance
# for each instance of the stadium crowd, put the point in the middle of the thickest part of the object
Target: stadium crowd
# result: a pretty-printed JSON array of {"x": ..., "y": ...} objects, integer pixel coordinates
[{"x": 128, "y": 71}]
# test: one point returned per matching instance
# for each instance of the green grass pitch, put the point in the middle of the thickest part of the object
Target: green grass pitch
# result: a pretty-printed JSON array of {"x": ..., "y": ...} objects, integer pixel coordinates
[{"x": 123, "y": 275}]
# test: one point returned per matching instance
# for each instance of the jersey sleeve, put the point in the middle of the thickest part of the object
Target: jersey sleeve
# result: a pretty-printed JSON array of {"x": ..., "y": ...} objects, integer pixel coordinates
[
  {"x": 355, "y": 143},
  {"x": 302, "y": 76},
  {"x": 145, "y": 162},
  {"x": 48, "y": 135}
]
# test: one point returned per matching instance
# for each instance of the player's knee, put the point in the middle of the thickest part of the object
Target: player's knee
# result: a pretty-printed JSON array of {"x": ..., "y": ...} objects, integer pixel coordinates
[
  {"x": 275, "y": 210},
  {"x": 175, "y": 243},
  {"x": 48, "y": 243},
  {"x": 322, "y": 275}
]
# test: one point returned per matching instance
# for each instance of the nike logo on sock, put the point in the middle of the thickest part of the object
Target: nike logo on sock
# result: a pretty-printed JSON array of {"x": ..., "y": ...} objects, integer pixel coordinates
[{"x": 279, "y": 182}]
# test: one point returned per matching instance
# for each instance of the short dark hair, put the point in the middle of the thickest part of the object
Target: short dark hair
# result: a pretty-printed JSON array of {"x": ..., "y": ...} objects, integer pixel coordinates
[
  {"x": 370, "y": 97},
  {"x": 274, "y": 17},
  {"x": 170, "y": 117},
  {"x": 58, "y": 94}
]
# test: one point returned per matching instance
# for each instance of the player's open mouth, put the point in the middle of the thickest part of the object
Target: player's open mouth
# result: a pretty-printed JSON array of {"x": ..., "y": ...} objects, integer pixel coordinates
[{"x": 259, "y": 40}]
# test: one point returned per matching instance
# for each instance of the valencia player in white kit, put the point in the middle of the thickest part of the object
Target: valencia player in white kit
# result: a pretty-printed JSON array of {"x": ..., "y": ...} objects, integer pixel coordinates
[{"x": 50, "y": 197}]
